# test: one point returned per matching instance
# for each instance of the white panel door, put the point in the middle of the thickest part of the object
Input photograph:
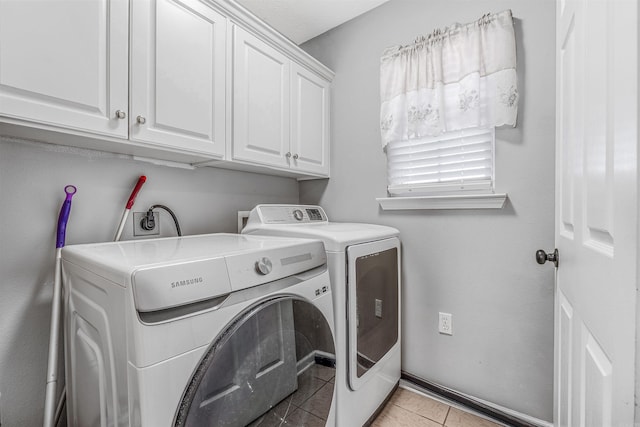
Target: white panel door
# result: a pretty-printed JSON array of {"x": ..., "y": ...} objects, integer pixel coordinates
[
  {"x": 178, "y": 75},
  {"x": 65, "y": 63},
  {"x": 260, "y": 101},
  {"x": 596, "y": 212},
  {"x": 309, "y": 121}
]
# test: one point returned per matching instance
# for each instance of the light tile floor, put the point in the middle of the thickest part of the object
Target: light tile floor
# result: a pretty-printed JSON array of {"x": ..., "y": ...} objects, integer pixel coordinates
[
  {"x": 409, "y": 409},
  {"x": 309, "y": 407}
]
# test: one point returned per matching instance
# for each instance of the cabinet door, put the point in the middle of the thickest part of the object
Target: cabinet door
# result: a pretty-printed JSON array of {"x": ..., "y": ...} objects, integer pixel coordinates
[
  {"x": 309, "y": 121},
  {"x": 260, "y": 102},
  {"x": 178, "y": 76},
  {"x": 65, "y": 63}
]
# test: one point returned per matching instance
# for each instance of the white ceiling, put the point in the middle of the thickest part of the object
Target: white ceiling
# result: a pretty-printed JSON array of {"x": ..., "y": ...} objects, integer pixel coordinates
[{"x": 301, "y": 20}]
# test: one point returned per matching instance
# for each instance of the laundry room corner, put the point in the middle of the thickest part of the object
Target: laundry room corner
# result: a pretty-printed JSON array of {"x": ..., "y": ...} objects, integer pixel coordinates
[
  {"x": 346, "y": 204},
  {"x": 478, "y": 265},
  {"x": 32, "y": 178}
]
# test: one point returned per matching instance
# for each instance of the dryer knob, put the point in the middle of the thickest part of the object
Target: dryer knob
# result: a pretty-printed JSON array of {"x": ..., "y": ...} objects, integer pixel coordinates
[
  {"x": 264, "y": 266},
  {"x": 298, "y": 215}
]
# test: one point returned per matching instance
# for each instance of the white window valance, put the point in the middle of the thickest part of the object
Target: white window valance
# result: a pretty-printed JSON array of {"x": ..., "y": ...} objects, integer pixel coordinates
[{"x": 463, "y": 76}]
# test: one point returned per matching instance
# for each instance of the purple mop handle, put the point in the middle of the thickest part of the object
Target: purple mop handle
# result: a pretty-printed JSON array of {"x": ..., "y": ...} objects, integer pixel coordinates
[{"x": 70, "y": 190}]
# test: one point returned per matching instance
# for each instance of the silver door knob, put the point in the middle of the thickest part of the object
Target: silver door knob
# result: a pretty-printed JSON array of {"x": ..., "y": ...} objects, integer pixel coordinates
[
  {"x": 542, "y": 257},
  {"x": 121, "y": 114},
  {"x": 288, "y": 154},
  {"x": 295, "y": 157},
  {"x": 141, "y": 120}
]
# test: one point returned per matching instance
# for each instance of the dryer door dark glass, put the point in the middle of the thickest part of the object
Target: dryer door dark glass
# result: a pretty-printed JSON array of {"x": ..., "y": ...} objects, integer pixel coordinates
[
  {"x": 373, "y": 286},
  {"x": 263, "y": 369},
  {"x": 375, "y": 294}
]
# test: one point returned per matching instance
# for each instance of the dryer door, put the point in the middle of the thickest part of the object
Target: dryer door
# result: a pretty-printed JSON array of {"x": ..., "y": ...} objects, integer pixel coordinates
[
  {"x": 373, "y": 284},
  {"x": 257, "y": 371}
]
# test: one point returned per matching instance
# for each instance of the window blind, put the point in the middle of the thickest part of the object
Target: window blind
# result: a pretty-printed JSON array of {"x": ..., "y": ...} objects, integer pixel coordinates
[{"x": 451, "y": 162}]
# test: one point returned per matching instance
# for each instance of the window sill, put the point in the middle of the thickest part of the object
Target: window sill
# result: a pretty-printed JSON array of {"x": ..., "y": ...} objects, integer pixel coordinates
[{"x": 466, "y": 201}]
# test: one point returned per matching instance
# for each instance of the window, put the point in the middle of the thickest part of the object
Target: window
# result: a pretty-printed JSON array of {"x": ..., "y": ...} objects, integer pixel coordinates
[
  {"x": 456, "y": 161},
  {"x": 441, "y": 99}
]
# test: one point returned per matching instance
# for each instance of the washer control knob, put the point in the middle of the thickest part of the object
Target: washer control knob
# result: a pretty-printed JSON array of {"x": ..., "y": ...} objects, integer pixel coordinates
[
  {"x": 297, "y": 214},
  {"x": 264, "y": 266}
]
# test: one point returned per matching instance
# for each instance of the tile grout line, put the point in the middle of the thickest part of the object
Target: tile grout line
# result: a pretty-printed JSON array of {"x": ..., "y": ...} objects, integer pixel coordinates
[
  {"x": 444, "y": 423},
  {"x": 420, "y": 415}
]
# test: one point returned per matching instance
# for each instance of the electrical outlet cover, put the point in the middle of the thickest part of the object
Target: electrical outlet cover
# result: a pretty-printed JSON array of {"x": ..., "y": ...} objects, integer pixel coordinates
[
  {"x": 139, "y": 231},
  {"x": 445, "y": 323}
]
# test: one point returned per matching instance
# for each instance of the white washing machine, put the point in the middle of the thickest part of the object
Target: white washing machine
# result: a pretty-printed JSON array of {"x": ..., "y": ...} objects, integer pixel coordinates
[
  {"x": 364, "y": 264},
  {"x": 211, "y": 330}
]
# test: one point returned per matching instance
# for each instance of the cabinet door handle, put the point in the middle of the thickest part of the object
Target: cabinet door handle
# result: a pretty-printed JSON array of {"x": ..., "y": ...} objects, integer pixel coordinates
[
  {"x": 121, "y": 114},
  {"x": 288, "y": 154},
  {"x": 295, "y": 157},
  {"x": 141, "y": 120}
]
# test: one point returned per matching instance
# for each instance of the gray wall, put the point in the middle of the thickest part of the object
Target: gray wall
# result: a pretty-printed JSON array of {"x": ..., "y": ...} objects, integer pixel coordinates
[
  {"x": 32, "y": 178},
  {"x": 477, "y": 265}
]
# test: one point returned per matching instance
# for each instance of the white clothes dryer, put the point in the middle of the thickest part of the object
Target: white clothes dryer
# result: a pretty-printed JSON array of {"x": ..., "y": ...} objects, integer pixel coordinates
[
  {"x": 364, "y": 264},
  {"x": 211, "y": 330}
]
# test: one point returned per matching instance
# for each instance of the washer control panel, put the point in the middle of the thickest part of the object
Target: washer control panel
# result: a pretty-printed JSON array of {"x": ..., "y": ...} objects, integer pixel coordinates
[{"x": 291, "y": 214}]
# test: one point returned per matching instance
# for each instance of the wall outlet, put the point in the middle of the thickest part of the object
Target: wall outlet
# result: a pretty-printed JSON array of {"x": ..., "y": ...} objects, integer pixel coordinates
[
  {"x": 137, "y": 228},
  {"x": 445, "y": 323}
]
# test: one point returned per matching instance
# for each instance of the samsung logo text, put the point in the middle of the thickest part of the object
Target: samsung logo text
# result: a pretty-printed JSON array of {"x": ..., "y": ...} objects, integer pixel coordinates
[{"x": 186, "y": 282}]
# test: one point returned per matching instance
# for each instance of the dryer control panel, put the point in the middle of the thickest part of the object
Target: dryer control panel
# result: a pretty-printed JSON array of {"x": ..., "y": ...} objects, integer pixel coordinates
[{"x": 288, "y": 214}]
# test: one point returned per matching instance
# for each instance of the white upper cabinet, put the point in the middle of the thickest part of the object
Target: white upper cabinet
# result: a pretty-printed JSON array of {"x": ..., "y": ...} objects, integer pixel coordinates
[
  {"x": 260, "y": 101},
  {"x": 65, "y": 63},
  {"x": 178, "y": 75},
  {"x": 309, "y": 121},
  {"x": 280, "y": 109},
  {"x": 203, "y": 82}
]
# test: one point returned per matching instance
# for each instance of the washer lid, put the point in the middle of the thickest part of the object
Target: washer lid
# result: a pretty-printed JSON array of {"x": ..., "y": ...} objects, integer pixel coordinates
[
  {"x": 335, "y": 235},
  {"x": 280, "y": 220},
  {"x": 169, "y": 272}
]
